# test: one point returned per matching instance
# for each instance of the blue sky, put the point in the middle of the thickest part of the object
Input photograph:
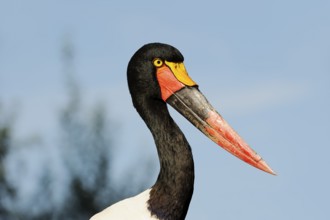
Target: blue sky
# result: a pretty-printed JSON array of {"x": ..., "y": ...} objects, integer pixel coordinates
[{"x": 263, "y": 64}]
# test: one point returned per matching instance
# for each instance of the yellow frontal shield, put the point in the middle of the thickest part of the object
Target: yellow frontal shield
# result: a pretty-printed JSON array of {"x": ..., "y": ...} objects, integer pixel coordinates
[{"x": 180, "y": 72}]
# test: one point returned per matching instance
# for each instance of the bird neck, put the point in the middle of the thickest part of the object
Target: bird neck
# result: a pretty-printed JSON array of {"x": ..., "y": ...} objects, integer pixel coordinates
[{"x": 170, "y": 196}]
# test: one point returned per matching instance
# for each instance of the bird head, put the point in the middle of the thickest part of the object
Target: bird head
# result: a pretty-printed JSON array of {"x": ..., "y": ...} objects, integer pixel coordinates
[{"x": 156, "y": 74}]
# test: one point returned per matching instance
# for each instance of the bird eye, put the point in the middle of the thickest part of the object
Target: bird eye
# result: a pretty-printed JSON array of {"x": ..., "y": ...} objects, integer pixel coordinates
[{"x": 157, "y": 62}]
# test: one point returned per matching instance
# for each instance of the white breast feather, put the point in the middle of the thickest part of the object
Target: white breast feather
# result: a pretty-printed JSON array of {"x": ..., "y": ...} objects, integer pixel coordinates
[{"x": 134, "y": 208}]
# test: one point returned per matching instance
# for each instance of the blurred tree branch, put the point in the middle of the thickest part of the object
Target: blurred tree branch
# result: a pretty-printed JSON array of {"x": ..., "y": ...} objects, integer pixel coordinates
[{"x": 86, "y": 153}]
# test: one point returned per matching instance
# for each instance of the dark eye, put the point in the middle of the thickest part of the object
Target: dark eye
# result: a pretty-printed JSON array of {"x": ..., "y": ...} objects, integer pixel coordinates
[{"x": 157, "y": 62}]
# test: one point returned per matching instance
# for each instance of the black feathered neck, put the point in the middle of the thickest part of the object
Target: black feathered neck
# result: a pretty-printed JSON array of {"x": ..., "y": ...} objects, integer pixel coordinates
[{"x": 172, "y": 192}]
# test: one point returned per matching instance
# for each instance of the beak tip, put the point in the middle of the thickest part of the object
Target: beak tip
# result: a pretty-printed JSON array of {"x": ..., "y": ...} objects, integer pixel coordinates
[{"x": 264, "y": 166}]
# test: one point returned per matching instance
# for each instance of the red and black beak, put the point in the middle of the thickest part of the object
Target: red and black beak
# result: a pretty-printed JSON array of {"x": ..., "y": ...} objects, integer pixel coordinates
[{"x": 182, "y": 93}]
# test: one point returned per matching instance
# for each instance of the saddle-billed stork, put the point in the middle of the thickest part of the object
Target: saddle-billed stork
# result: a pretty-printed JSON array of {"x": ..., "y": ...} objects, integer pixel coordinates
[{"x": 156, "y": 76}]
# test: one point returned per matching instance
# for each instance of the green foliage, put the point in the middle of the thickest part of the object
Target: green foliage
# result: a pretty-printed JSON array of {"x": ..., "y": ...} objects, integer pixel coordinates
[{"x": 6, "y": 190}]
